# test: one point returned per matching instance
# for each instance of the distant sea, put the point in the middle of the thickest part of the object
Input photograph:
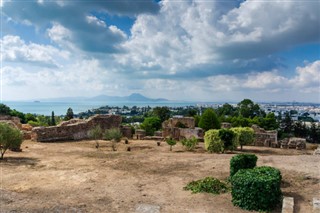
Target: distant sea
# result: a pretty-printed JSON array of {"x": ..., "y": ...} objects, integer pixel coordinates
[{"x": 60, "y": 108}]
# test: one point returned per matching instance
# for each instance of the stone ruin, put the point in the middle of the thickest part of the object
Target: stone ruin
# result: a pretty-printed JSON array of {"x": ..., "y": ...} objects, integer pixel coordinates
[
  {"x": 179, "y": 128},
  {"x": 265, "y": 138},
  {"x": 15, "y": 123},
  {"x": 317, "y": 151},
  {"x": 75, "y": 129},
  {"x": 293, "y": 143}
]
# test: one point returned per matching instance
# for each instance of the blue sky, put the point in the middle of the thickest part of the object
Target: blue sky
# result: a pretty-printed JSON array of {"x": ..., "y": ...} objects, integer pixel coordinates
[{"x": 179, "y": 50}]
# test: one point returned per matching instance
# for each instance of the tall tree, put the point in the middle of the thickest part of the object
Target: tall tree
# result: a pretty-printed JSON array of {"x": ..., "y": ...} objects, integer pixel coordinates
[
  {"x": 69, "y": 114},
  {"x": 248, "y": 109},
  {"x": 209, "y": 120},
  {"x": 161, "y": 112},
  {"x": 53, "y": 120}
]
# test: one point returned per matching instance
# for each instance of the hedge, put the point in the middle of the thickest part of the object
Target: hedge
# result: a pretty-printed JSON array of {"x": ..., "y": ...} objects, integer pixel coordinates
[
  {"x": 242, "y": 161},
  {"x": 256, "y": 189}
]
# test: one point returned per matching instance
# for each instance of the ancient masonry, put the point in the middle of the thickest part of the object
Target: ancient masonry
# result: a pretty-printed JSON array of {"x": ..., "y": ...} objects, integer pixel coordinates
[
  {"x": 179, "y": 128},
  {"x": 75, "y": 129},
  {"x": 265, "y": 138}
]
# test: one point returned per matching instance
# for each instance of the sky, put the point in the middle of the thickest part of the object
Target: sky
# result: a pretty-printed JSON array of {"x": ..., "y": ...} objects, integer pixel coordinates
[{"x": 193, "y": 50}]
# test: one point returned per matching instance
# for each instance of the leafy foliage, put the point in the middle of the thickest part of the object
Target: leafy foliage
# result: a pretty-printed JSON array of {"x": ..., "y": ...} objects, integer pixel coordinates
[
  {"x": 213, "y": 142},
  {"x": 228, "y": 137},
  {"x": 242, "y": 161},
  {"x": 171, "y": 142},
  {"x": 190, "y": 143},
  {"x": 209, "y": 185},
  {"x": 248, "y": 109},
  {"x": 209, "y": 120},
  {"x": 161, "y": 112},
  {"x": 256, "y": 189},
  {"x": 113, "y": 134},
  {"x": 4, "y": 109},
  {"x": 151, "y": 124},
  {"x": 244, "y": 135},
  {"x": 10, "y": 138}
]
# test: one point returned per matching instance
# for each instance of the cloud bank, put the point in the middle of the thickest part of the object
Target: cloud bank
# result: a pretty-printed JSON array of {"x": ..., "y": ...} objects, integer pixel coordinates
[{"x": 191, "y": 50}]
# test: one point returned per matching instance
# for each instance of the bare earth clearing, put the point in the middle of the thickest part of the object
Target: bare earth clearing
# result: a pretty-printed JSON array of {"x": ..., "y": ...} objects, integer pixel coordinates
[{"x": 76, "y": 177}]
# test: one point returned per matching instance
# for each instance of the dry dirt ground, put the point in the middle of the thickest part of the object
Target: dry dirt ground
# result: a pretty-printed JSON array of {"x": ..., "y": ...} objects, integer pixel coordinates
[{"x": 77, "y": 177}]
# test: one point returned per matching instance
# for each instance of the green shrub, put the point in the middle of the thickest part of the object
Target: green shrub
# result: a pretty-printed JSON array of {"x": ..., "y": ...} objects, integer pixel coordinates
[
  {"x": 113, "y": 134},
  {"x": 151, "y": 124},
  {"x": 212, "y": 141},
  {"x": 10, "y": 138},
  {"x": 229, "y": 139},
  {"x": 242, "y": 161},
  {"x": 256, "y": 189},
  {"x": 244, "y": 135},
  {"x": 171, "y": 142},
  {"x": 208, "y": 184},
  {"x": 190, "y": 143},
  {"x": 95, "y": 133}
]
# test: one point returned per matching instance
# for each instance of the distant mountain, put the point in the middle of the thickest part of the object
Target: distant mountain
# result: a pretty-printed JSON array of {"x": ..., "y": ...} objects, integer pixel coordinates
[{"x": 134, "y": 97}]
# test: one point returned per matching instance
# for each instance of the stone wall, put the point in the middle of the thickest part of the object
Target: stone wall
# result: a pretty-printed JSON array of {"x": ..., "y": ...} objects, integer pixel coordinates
[
  {"x": 11, "y": 120},
  {"x": 265, "y": 138},
  {"x": 188, "y": 122},
  {"x": 75, "y": 129},
  {"x": 170, "y": 128}
]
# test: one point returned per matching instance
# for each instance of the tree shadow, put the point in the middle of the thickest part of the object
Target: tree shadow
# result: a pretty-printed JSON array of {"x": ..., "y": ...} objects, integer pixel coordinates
[
  {"x": 257, "y": 151},
  {"x": 18, "y": 161}
]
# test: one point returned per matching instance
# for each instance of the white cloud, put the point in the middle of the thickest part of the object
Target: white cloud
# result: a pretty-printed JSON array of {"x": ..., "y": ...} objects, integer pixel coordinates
[{"x": 16, "y": 50}]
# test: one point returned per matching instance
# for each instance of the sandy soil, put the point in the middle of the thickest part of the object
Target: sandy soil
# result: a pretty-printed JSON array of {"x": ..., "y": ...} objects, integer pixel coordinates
[{"x": 77, "y": 177}]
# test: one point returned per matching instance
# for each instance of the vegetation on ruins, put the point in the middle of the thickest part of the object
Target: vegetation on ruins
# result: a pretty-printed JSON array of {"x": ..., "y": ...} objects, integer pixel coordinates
[
  {"x": 190, "y": 143},
  {"x": 209, "y": 120},
  {"x": 244, "y": 135},
  {"x": 256, "y": 189},
  {"x": 10, "y": 138},
  {"x": 242, "y": 161},
  {"x": 209, "y": 185},
  {"x": 171, "y": 142}
]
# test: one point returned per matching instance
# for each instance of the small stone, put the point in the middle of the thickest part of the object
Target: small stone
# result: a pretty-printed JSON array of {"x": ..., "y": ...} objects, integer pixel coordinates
[{"x": 147, "y": 208}]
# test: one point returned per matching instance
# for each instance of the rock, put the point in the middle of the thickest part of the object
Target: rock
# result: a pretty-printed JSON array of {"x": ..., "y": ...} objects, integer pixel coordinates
[
  {"x": 147, "y": 208},
  {"x": 316, "y": 205},
  {"x": 317, "y": 151},
  {"x": 297, "y": 143},
  {"x": 287, "y": 205}
]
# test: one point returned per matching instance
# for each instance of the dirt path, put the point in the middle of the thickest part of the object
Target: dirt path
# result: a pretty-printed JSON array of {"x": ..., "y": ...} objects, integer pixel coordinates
[{"x": 76, "y": 177}]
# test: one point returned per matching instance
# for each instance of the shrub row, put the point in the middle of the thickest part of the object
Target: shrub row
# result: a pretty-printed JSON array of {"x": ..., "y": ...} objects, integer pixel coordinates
[{"x": 228, "y": 139}]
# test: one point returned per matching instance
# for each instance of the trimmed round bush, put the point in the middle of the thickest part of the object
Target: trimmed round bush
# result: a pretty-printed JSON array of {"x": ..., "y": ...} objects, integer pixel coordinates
[
  {"x": 213, "y": 142},
  {"x": 242, "y": 161},
  {"x": 256, "y": 189}
]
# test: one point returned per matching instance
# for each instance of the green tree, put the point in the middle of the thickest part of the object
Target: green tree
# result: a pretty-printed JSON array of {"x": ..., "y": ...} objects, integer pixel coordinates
[
  {"x": 300, "y": 129},
  {"x": 53, "y": 120},
  {"x": 9, "y": 138},
  {"x": 248, "y": 109},
  {"x": 244, "y": 135},
  {"x": 161, "y": 112},
  {"x": 209, "y": 120},
  {"x": 69, "y": 114},
  {"x": 4, "y": 109},
  {"x": 212, "y": 141},
  {"x": 269, "y": 122},
  {"x": 151, "y": 124},
  {"x": 287, "y": 123},
  {"x": 314, "y": 133},
  {"x": 226, "y": 109},
  {"x": 30, "y": 117}
]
